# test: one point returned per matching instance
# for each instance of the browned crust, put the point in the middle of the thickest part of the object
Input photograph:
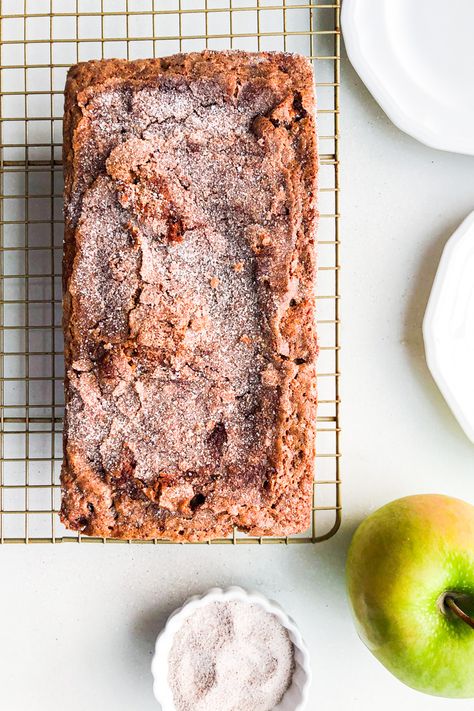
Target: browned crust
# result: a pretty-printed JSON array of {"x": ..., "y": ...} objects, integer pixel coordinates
[{"x": 288, "y": 506}]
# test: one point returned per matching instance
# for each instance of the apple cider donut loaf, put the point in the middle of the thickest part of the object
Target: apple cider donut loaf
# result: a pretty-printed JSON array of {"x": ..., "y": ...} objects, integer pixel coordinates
[{"x": 189, "y": 268}]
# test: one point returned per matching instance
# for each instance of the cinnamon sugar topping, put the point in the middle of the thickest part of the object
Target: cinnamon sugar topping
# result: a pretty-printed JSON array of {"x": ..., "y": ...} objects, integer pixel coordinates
[{"x": 175, "y": 180}]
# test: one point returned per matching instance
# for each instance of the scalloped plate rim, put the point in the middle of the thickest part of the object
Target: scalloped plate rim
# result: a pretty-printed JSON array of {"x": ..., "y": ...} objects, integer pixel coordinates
[
  {"x": 458, "y": 236},
  {"x": 395, "y": 111}
]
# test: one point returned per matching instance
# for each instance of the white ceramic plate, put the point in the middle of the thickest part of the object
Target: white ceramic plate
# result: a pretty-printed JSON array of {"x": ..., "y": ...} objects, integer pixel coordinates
[
  {"x": 296, "y": 696},
  {"x": 448, "y": 327},
  {"x": 416, "y": 57}
]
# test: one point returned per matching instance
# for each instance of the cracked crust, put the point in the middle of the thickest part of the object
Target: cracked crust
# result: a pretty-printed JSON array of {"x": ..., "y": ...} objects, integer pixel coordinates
[{"x": 190, "y": 341}]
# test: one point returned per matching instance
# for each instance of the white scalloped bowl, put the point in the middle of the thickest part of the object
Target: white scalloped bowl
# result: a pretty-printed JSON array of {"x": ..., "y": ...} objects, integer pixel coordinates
[
  {"x": 448, "y": 326},
  {"x": 295, "y": 697}
]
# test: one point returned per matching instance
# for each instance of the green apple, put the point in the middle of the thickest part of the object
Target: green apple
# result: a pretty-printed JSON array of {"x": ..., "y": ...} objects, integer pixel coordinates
[{"x": 410, "y": 576}]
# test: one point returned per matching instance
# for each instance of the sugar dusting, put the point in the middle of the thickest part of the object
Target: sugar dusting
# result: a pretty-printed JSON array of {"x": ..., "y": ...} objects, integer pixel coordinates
[
  {"x": 169, "y": 300},
  {"x": 230, "y": 656},
  {"x": 188, "y": 297}
]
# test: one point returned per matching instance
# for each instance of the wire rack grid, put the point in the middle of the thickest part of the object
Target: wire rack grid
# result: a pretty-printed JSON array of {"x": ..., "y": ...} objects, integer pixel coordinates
[{"x": 39, "y": 40}]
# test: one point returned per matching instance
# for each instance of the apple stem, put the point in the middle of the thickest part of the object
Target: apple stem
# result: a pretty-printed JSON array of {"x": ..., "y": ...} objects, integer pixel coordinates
[{"x": 454, "y": 607}]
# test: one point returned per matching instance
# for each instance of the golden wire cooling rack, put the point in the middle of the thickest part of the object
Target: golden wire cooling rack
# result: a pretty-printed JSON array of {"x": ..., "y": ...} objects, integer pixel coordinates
[{"x": 39, "y": 40}]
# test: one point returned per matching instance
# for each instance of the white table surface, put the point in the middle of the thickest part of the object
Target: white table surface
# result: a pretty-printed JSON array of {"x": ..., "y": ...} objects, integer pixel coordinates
[{"x": 77, "y": 623}]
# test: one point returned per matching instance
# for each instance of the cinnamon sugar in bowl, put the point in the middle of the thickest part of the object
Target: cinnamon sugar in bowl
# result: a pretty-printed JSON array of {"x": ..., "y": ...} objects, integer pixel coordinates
[{"x": 230, "y": 650}]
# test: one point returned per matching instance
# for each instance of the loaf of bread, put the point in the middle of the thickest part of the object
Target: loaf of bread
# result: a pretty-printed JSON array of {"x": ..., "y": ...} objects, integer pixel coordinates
[{"x": 189, "y": 270}]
